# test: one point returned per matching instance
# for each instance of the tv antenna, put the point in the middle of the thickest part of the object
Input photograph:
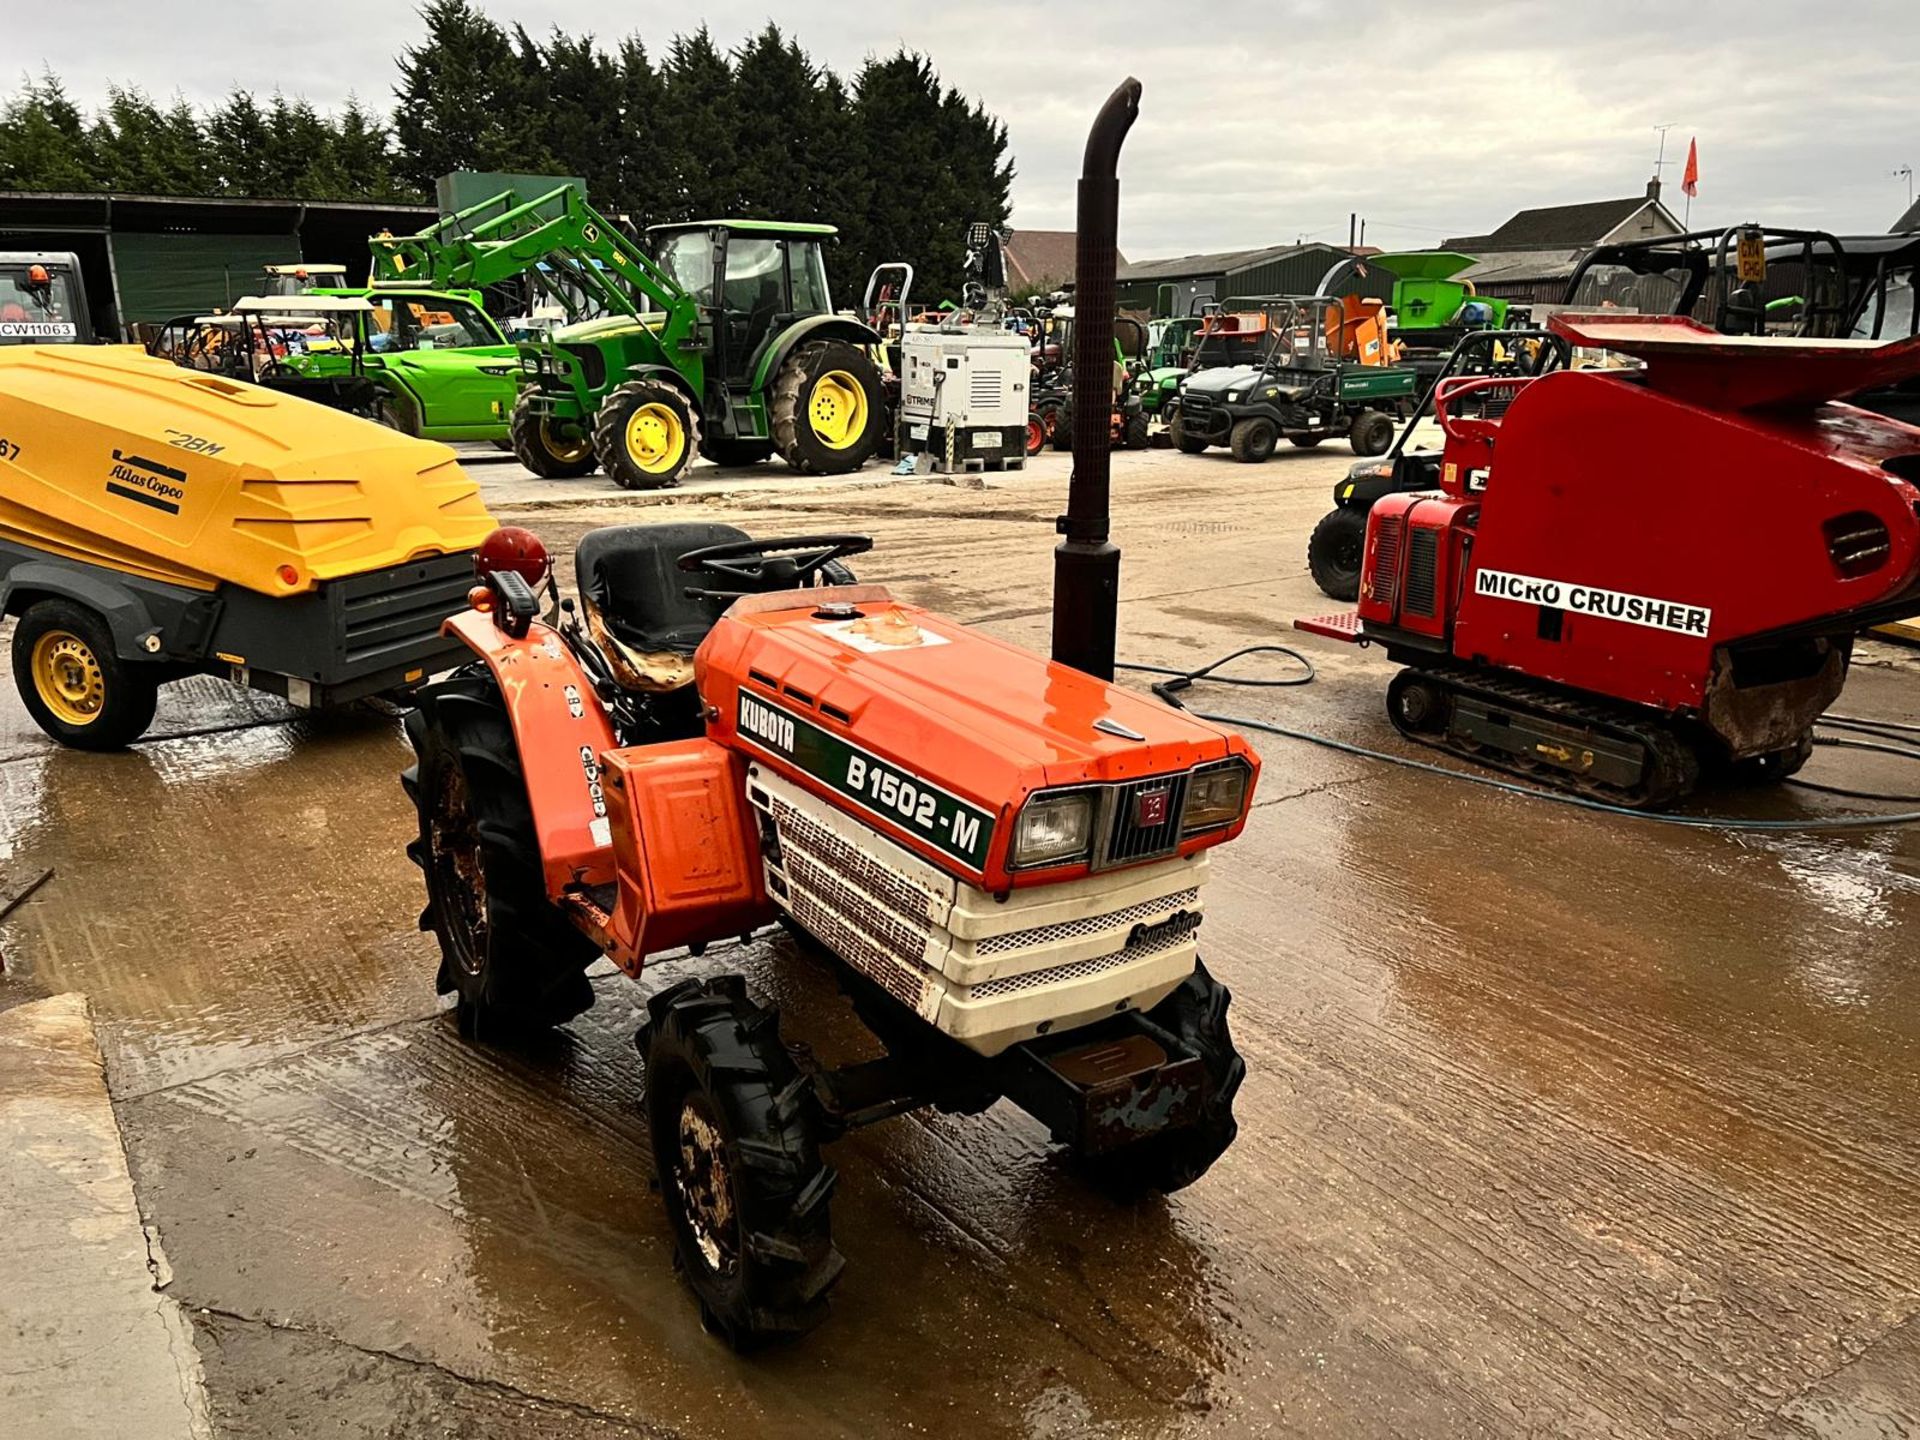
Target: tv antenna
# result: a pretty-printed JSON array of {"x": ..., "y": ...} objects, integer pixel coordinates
[{"x": 1661, "y": 159}]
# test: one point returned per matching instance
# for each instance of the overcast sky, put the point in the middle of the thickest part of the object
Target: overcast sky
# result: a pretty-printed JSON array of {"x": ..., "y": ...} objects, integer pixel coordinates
[{"x": 1260, "y": 123}]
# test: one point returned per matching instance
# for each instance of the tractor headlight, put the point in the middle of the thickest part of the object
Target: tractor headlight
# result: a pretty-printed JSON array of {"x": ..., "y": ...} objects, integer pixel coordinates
[
  {"x": 1232, "y": 395},
  {"x": 1053, "y": 829},
  {"x": 1215, "y": 796}
]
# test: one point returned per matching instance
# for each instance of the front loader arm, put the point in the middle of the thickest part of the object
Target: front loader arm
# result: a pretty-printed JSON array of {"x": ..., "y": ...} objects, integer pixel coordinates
[{"x": 558, "y": 229}]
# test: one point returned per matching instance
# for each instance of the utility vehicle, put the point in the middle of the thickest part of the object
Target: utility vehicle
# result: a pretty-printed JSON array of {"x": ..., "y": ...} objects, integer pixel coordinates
[
  {"x": 1321, "y": 372},
  {"x": 1757, "y": 279},
  {"x": 722, "y": 340},
  {"x": 310, "y": 346}
]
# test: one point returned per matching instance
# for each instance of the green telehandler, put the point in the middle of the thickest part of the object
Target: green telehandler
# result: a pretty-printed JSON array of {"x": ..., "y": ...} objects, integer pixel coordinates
[{"x": 720, "y": 342}]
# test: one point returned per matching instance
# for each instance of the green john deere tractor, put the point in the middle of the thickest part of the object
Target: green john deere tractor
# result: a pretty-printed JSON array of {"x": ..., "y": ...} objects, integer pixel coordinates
[{"x": 720, "y": 342}]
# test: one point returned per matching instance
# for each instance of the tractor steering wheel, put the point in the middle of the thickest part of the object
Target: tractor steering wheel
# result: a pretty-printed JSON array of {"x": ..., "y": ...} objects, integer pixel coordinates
[{"x": 784, "y": 562}]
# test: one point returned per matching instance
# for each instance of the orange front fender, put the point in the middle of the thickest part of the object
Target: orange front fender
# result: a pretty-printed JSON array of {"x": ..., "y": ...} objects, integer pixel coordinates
[{"x": 561, "y": 732}]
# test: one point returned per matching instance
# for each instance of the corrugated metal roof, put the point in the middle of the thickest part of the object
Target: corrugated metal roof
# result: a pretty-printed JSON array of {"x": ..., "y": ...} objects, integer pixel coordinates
[
  {"x": 1224, "y": 262},
  {"x": 1512, "y": 266}
]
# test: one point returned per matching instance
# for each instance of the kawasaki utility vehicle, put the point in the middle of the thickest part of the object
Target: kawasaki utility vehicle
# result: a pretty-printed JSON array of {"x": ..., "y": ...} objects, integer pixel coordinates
[
  {"x": 720, "y": 341},
  {"x": 1320, "y": 373}
]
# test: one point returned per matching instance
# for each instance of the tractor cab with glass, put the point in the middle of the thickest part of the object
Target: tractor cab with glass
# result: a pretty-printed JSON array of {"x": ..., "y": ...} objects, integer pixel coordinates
[{"x": 42, "y": 299}]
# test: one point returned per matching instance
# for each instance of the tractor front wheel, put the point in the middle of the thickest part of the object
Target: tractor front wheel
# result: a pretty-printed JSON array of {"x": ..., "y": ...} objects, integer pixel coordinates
[
  {"x": 512, "y": 959},
  {"x": 737, "y": 1156},
  {"x": 1137, "y": 432},
  {"x": 537, "y": 442},
  {"x": 1253, "y": 439},
  {"x": 1371, "y": 433},
  {"x": 828, "y": 408},
  {"x": 1197, "y": 1014},
  {"x": 1335, "y": 551},
  {"x": 74, "y": 685},
  {"x": 646, "y": 434}
]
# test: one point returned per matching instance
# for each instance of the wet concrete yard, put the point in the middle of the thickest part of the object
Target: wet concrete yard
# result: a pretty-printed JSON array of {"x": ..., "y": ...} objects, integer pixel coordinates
[{"x": 1555, "y": 1123}]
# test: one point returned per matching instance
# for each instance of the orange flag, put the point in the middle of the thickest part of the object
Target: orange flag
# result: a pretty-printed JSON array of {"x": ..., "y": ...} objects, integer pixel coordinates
[{"x": 1690, "y": 181}]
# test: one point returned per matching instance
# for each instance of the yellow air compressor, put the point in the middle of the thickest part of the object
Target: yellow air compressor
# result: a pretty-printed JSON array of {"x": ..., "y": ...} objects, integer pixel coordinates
[{"x": 157, "y": 522}]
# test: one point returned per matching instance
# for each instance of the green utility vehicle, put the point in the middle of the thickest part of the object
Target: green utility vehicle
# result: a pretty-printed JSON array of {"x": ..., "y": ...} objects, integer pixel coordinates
[
  {"x": 446, "y": 367},
  {"x": 448, "y": 372},
  {"x": 722, "y": 341},
  {"x": 1317, "y": 375},
  {"x": 426, "y": 364}
]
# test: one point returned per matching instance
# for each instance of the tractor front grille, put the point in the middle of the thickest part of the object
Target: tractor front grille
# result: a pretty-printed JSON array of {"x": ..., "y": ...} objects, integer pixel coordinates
[
  {"x": 588, "y": 363},
  {"x": 1086, "y": 926},
  {"x": 1148, "y": 944},
  {"x": 868, "y": 913},
  {"x": 1132, "y": 838},
  {"x": 964, "y": 960}
]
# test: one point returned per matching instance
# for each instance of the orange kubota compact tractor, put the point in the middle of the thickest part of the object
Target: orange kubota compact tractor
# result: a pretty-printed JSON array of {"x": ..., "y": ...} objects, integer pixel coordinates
[{"x": 1002, "y": 856}]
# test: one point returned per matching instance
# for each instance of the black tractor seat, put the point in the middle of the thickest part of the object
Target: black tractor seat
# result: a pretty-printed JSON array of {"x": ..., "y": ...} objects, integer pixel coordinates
[{"x": 634, "y": 596}]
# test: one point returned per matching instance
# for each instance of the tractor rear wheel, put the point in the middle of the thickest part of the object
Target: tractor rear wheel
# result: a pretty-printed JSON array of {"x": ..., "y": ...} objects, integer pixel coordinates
[
  {"x": 1335, "y": 551},
  {"x": 828, "y": 408},
  {"x": 73, "y": 684},
  {"x": 1186, "y": 444},
  {"x": 1253, "y": 439},
  {"x": 737, "y": 1155},
  {"x": 1197, "y": 1014},
  {"x": 1371, "y": 432},
  {"x": 646, "y": 434},
  {"x": 508, "y": 954},
  {"x": 538, "y": 444}
]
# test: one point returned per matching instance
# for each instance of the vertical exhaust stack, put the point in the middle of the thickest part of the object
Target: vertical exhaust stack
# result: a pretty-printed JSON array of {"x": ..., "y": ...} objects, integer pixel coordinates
[{"x": 1086, "y": 564}]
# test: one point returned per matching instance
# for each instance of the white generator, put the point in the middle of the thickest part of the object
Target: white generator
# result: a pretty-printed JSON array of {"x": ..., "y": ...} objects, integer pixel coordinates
[{"x": 963, "y": 397}]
